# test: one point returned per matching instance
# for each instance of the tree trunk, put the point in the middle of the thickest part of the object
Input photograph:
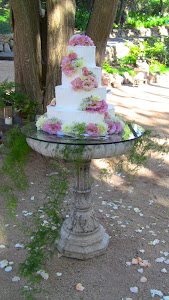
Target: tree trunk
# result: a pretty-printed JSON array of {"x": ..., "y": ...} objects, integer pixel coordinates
[
  {"x": 27, "y": 46},
  {"x": 122, "y": 7},
  {"x": 100, "y": 26},
  {"x": 60, "y": 25},
  {"x": 162, "y": 7}
]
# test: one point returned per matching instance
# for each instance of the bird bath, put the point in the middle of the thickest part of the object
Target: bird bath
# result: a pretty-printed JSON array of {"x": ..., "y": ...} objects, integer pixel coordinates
[{"x": 82, "y": 236}]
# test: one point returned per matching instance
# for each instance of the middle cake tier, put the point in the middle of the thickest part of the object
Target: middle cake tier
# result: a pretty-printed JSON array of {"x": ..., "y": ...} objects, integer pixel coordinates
[
  {"x": 67, "y": 98},
  {"x": 69, "y": 115}
]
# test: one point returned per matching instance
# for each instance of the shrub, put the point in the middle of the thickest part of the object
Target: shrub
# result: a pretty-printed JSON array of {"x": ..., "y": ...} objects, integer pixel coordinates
[{"x": 10, "y": 96}]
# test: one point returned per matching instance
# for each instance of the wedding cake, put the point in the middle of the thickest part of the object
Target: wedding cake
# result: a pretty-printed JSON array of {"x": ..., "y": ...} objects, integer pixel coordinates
[{"x": 79, "y": 106}]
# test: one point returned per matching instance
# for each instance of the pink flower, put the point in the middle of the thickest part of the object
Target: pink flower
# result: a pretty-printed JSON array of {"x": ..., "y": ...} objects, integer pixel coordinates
[
  {"x": 85, "y": 71},
  {"x": 94, "y": 106},
  {"x": 53, "y": 102},
  {"x": 93, "y": 80},
  {"x": 106, "y": 115},
  {"x": 103, "y": 107},
  {"x": 72, "y": 56},
  {"x": 114, "y": 127},
  {"x": 67, "y": 67},
  {"x": 77, "y": 83},
  {"x": 92, "y": 129},
  {"x": 51, "y": 128},
  {"x": 81, "y": 40},
  {"x": 119, "y": 127},
  {"x": 111, "y": 127},
  {"x": 97, "y": 106},
  {"x": 87, "y": 85}
]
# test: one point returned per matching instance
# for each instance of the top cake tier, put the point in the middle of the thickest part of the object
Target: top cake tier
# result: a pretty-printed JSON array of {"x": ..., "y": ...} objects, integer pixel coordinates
[{"x": 87, "y": 53}]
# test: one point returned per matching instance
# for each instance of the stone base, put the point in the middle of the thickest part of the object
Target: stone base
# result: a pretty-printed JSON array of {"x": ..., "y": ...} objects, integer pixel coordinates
[{"x": 83, "y": 245}]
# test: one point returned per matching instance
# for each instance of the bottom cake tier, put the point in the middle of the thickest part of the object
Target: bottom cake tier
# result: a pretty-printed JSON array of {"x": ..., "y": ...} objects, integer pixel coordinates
[{"x": 76, "y": 122}]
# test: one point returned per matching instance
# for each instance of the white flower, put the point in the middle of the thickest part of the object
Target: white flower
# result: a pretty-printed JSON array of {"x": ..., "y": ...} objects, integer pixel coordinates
[{"x": 41, "y": 121}]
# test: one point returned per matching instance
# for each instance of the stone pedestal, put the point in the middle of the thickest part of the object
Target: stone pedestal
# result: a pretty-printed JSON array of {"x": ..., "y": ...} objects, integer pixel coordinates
[{"x": 82, "y": 236}]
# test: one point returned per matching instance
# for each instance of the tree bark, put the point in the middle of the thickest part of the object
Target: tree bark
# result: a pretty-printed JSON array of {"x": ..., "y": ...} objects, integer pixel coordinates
[
  {"x": 100, "y": 26},
  {"x": 60, "y": 25},
  {"x": 27, "y": 46}
]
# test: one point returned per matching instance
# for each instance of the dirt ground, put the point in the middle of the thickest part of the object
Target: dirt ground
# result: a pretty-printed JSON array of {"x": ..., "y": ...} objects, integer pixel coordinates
[{"x": 136, "y": 216}]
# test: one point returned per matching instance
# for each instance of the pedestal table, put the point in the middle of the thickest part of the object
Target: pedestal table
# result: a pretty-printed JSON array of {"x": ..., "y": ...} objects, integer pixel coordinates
[{"x": 81, "y": 235}]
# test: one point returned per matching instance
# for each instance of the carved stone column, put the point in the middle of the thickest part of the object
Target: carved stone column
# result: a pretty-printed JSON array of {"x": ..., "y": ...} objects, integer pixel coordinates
[{"x": 82, "y": 236}]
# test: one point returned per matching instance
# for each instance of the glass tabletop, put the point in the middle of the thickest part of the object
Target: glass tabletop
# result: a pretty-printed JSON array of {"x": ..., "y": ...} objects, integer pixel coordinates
[{"x": 131, "y": 131}]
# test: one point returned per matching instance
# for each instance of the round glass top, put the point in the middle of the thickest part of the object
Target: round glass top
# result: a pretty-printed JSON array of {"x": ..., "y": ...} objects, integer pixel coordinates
[{"x": 131, "y": 131}]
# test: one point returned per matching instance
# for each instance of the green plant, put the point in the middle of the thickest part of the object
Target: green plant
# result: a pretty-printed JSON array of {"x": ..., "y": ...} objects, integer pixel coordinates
[
  {"x": 81, "y": 18},
  {"x": 16, "y": 153},
  {"x": 118, "y": 70},
  {"x": 4, "y": 17},
  {"x": 11, "y": 96}
]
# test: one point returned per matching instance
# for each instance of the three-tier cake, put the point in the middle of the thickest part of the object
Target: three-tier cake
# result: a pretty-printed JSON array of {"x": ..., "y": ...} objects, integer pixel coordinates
[{"x": 79, "y": 106}]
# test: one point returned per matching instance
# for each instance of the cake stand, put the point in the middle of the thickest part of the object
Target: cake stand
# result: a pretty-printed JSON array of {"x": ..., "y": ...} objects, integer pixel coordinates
[{"x": 81, "y": 235}]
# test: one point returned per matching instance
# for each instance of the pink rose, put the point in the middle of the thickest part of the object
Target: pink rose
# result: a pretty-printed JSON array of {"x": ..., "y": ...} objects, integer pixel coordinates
[
  {"x": 92, "y": 129},
  {"x": 93, "y": 80},
  {"x": 103, "y": 107},
  {"x": 87, "y": 85},
  {"x": 106, "y": 115},
  {"x": 85, "y": 71},
  {"x": 77, "y": 83},
  {"x": 119, "y": 127},
  {"x": 51, "y": 128},
  {"x": 111, "y": 127},
  {"x": 94, "y": 106},
  {"x": 72, "y": 56},
  {"x": 81, "y": 40},
  {"x": 67, "y": 67}
]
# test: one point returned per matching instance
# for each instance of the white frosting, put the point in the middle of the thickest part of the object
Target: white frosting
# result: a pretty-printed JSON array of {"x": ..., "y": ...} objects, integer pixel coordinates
[
  {"x": 66, "y": 97},
  {"x": 66, "y": 80},
  {"x": 69, "y": 115},
  {"x": 87, "y": 53}
]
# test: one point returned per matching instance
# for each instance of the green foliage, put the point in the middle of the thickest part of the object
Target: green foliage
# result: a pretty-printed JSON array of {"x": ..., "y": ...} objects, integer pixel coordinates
[
  {"x": 81, "y": 18},
  {"x": 43, "y": 238},
  {"x": 119, "y": 69},
  {"x": 138, "y": 20},
  {"x": 16, "y": 152},
  {"x": 4, "y": 17},
  {"x": 10, "y": 95},
  {"x": 153, "y": 50}
]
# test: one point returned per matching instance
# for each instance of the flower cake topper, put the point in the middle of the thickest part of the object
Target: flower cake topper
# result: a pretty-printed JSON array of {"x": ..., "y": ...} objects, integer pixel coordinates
[{"x": 80, "y": 40}]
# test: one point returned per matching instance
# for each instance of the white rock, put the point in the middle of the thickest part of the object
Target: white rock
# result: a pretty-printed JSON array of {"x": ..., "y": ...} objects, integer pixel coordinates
[
  {"x": 164, "y": 270},
  {"x": 8, "y": 269},
  {"x": 143, "y": 279},
  {"x": 134, "y": 289},
  {"x": 160, "y": 259},
  {"x": 3, "y": 263},
  {"x": 16, "y": 278},
  {"x": 156, "y": 292},
  {"x": 19, "y": 246},
  {"x": 140, "y": 270},
  {"x": 167, "y": 261}
]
